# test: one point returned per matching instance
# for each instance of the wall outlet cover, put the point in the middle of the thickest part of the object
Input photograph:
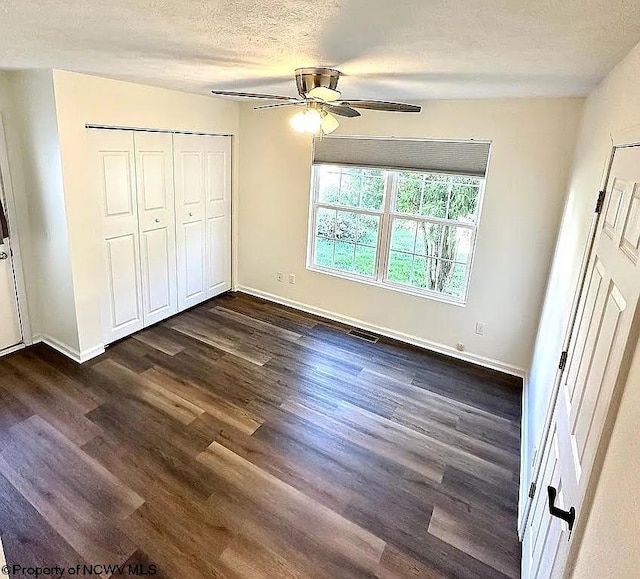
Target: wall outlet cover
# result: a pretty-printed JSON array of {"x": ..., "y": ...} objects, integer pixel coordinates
[
  {"x": 292, "y": 278},
  {"x": 280, "y": 276}
]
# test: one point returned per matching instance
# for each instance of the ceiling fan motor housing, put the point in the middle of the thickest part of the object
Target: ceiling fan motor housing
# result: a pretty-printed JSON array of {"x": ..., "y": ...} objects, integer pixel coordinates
[{"x": 310, "y": 78}]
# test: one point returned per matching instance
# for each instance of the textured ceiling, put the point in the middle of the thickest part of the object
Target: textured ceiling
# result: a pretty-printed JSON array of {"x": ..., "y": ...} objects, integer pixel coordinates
[{"x": 411, "y": 49}]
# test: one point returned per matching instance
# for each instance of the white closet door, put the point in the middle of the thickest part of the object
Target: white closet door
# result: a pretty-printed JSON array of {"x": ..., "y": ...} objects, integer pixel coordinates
[
  {"x": 218, "y": 197},
  {"x": 122, "y": 297},
  {"x": 156, "y": 219},
  {"x": 202, "y": 167}
]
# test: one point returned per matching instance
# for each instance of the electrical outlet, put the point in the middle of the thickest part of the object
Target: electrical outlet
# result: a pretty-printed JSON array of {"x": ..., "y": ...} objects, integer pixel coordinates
[
  {"x": 480, "y": 328},
  {"x": 292, "y": 278},
  {"x": 280, "y": 277}
]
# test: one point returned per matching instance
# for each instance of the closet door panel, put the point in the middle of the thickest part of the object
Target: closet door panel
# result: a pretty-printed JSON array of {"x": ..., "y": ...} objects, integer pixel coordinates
[
  {"x": 218, "y": 195},
  {"x": 156, "y": 217},
  {"x": 190, "y": 219},
  {"x": 113, "y": 152},
  {"x": 122, "y": 257},
  {"x": 194, "y": 255}
]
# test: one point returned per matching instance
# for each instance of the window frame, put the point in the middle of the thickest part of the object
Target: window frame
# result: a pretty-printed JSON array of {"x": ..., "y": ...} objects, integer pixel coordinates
[{"x": 383, "y": 248}]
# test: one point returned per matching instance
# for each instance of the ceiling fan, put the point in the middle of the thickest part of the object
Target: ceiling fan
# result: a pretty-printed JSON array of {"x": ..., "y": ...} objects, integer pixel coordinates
[{"x": 321, "y": 100}]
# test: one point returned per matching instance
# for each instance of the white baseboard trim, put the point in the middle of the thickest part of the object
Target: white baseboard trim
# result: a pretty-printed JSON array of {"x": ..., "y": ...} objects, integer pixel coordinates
[
  {"x": 73, "y": 353},
  {"x": 12, "y": 349},
  {"x": 389, "y": 333}
]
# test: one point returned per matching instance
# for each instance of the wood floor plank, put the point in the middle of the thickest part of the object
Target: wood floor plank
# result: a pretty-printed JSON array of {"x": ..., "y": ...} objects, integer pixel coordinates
[
  {"x": 484, "y": 542},
  {"x": 208, "y": 402},
  {"x": 151, "y": 392},
  {"x": 244, "y": 439},
  {"x": 302, "y": 513},
  {"x": 158, "y": 338},
  {"x": 256, "y": 324},
  {"x": 42, "y": 402},
  {"x": 71, "y": 493},
  {"x": 196, "y": 327}
]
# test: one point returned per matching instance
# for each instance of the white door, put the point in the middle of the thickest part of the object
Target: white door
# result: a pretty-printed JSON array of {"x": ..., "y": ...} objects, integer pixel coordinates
[
  {"x": 122, "y": 308},
  {"x": 156, "y": 220},
  {"x": 597, "y": 362},
  {"x": 10, "y": 329},
  {"x": 202, "y": 166}
]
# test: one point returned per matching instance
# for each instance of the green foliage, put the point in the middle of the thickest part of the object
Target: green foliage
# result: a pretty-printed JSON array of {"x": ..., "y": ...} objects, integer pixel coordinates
[{"x": 444, "y": 197}]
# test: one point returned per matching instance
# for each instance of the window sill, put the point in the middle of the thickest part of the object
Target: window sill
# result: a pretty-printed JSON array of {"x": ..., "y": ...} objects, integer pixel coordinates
[{"x": 387, "y": 285}]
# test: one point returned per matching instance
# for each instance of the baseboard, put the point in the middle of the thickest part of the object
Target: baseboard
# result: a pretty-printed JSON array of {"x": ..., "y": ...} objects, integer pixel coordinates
[
  {"x": 389, "y": 333},
  {"x": 73, "y": 353},
  {"x": 12, "y": 349}
]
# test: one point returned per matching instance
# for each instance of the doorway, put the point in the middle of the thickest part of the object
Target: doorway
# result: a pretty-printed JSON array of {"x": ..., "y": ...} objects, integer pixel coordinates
[
  {"x": 11, "y": 321},
  {"x": 594, "y": 369}
]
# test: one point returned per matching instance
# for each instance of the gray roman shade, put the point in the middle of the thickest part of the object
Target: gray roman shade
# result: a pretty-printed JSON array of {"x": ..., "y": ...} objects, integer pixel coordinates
[{"x": 458, "y": 157}]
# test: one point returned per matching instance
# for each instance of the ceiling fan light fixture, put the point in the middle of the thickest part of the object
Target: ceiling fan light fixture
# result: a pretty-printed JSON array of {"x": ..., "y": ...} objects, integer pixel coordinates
[
  {"x": 307, "y": 121},
  {"x": 329, "y": 123},
  {"x": 324, "y": 93}
]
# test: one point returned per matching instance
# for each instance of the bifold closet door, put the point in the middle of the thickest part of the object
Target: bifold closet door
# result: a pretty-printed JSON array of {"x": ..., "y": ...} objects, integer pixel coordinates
[
  {"x": 122, "y": 310},
  {"x": 202, "y": 166},
  {"x": 156, "y": 220}
]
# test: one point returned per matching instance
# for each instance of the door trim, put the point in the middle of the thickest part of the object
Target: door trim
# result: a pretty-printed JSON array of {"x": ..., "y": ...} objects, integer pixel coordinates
[
  {"x": 626, "y": 138},
  {"x": 16, "y": 250}
]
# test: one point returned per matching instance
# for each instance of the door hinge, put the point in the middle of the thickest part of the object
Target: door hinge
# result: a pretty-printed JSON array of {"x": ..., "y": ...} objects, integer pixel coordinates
[
  {"x": 563, "y": 360},
  {"x": 600, "y": 201},
  {"x": 532, "y": 490}
]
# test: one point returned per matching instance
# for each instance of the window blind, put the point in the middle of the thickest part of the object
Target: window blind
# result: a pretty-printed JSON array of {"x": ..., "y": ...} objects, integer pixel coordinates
[{"x": 457, "y": 157}]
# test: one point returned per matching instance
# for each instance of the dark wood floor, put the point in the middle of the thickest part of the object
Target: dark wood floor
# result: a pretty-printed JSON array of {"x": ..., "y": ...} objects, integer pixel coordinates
[{"x": 244, "y": 439}]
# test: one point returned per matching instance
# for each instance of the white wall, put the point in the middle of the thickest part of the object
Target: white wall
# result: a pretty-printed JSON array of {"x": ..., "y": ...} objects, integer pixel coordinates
[
  {"x": 533, "y": 144},
  {"x": 82, "y": 99},
  {"x": 610, "y": 544},
  {"x": 610, "y": 109},
  {"x": 41, "y": 207}
]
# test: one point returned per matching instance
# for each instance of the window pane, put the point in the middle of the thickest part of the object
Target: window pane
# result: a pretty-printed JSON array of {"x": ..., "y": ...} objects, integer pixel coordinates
[
  {"x": 424, "y": 273},
  {"x": 372, "y": 190},
  {"x": 409, "y": 193},
  {"x": 456, "y": 244},
  {"x": 344, "y": 255},
  {"x": 365, "y": 260},
  {"x": 428, "y": 239},
  {"x": 368, "y": 227},
  {"x": 324, "y": 252},
  {"x": 350, "y": 184},
  {"x": 329, "y": 184},
  {"x": 434, "y": 196},
  {"x": 351, "y": 187},
  {"x": 453, "y": 278},
  {"x": 403, "y": 235},
  {"x": 346, "y": 226},
  {"x": 400, "y": 267},
  {"x": 464, "y": 199},
  {"x": 326, "y": 223}
]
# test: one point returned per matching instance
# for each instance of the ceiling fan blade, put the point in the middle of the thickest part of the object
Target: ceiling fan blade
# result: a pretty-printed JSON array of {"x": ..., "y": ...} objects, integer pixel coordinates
[
  {"x": 341, "y": 110},
  {"x": 383, "y": 106},
  {"x": 288, "y": 104},
  {"x": 251, "y": 95}
]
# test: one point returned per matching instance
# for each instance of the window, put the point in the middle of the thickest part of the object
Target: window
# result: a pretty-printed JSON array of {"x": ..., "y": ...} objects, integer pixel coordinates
[{"x": 405, "y": 229}]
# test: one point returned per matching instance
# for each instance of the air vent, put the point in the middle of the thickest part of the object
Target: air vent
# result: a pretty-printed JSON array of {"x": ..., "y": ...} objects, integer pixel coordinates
[{"x": 366, "y": 336}]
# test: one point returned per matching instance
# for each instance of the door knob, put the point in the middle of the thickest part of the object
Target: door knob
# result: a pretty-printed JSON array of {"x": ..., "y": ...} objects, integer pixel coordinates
[
  {"x": 568, "y": 516},
  {"x": 4, "y": 255}
]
